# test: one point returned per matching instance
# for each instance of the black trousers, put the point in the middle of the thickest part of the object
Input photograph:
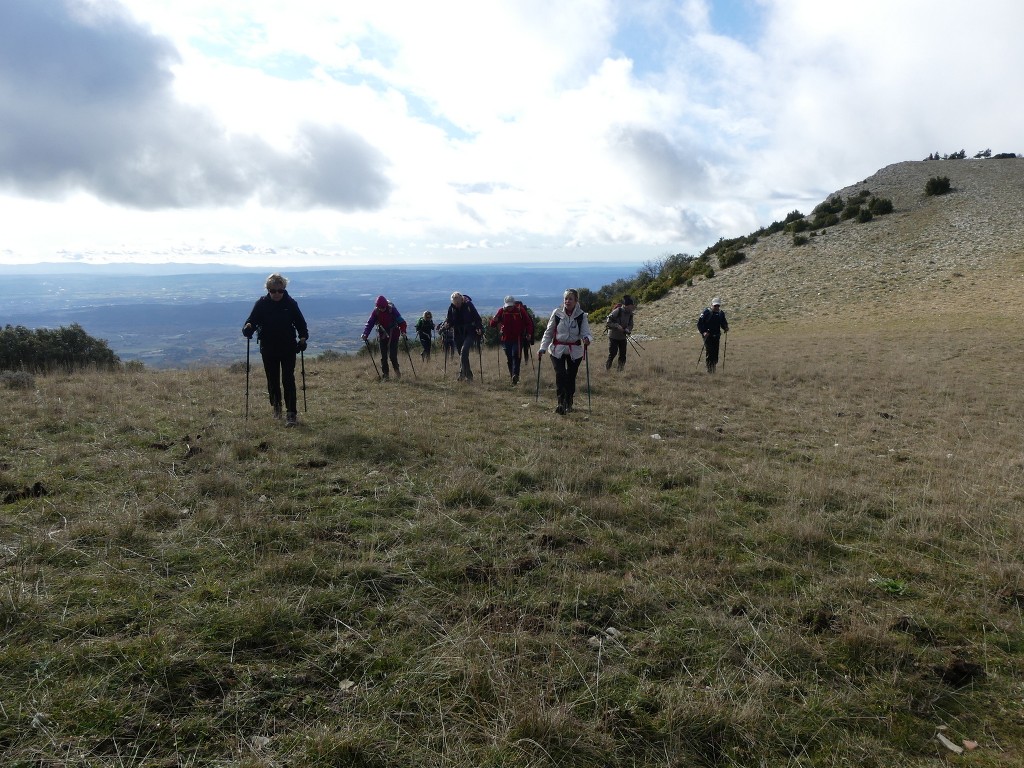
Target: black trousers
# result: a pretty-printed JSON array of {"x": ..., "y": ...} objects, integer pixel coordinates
[
  {"x": 425, "y": 343},
  {"x": 565, "y": 376},
  {"x": 711, "y": 342},
  {"x": 388, "y": 348},
  {"x": 616, "y": 347},
  {"x": 279, "y": 366}
]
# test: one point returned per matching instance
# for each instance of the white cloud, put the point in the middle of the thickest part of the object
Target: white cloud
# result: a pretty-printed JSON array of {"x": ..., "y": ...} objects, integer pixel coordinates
[{"x": 394, "y": 129}]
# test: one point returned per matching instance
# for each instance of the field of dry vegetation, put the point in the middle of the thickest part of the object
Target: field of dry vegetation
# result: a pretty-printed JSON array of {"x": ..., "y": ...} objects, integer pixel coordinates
[{"x": 812, "y": 558}]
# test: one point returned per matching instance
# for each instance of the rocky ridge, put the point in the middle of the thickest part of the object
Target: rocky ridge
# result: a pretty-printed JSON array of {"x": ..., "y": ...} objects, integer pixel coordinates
[{"x": 932, "y": 259}]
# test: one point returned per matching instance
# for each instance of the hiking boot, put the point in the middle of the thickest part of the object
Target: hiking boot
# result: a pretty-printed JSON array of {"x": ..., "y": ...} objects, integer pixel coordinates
[
  {"x": 278, "y": 412},
  {"x": 515, "y": 379},
  {"x": 398, "y": 374},
  {"x": 568, "y": 404},
  {"x": 384, "y": 376},
  {"x": 291, "y": 419},
  {"x": 608, "y": 366},
  {"x": 560, "y": 409}
]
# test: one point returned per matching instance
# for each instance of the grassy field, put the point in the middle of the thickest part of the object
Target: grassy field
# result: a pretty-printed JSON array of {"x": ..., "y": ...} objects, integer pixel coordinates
[{"x": 813, "y": 558}]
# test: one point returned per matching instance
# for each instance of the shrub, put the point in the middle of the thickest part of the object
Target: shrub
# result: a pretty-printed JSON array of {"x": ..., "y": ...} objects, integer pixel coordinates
[
  {"x": 798, "y": 225},
  {"x": 1004, "y": 156},
  {"x": 834, "y": 204},
  {"x": 822, "y": 220},
  {"x": 880, "y": 206},
  {"x": 44, "y": 349},
  {"x": 730, "y": 258},
  {"x": 800, "y": 240},
  {"x": 850, "y": 211},
  {"x": 330, "y": 356},
  {"x": 937, "y": 185},
  {"x": 864, "y": 216}
]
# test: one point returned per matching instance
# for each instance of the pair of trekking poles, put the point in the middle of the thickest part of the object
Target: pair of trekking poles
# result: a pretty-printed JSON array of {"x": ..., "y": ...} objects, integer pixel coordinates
[
  {"x": 586, "y": 360},
  {"x": 703, "y": 350},
  {"x": 302, "y": 358},
  {"x": 405, "y": 346}
]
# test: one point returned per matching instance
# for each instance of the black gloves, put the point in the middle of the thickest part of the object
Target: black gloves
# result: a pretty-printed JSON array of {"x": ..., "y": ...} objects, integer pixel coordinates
[
  {"x": 302, "y": 345},
  {"x": 248, "y": 331}
]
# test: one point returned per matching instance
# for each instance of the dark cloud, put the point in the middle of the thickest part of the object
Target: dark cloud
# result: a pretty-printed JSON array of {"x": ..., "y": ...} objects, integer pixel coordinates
[
  {"x": 669, "y": 172},
  {"x": 86, "y": 103}
]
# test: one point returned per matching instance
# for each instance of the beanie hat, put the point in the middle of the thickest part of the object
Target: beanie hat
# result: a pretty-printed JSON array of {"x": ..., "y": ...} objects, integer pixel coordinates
[{"x": 381, "y": 303}]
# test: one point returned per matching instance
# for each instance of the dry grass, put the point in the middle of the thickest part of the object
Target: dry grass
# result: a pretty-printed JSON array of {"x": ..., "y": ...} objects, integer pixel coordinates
[{"x": 816, "y": 562}]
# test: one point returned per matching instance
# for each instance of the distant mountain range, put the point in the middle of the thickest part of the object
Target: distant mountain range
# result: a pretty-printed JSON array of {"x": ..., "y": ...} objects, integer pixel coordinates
[{"x": 168, "y": 318}]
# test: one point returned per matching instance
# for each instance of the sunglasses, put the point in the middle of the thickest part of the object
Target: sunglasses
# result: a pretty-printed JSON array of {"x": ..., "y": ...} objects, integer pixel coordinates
[{"x": 275, "y": 290}]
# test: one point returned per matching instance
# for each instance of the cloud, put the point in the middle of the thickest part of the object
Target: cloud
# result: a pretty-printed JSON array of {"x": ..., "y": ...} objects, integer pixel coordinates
[{"x": 87, "y": 102}]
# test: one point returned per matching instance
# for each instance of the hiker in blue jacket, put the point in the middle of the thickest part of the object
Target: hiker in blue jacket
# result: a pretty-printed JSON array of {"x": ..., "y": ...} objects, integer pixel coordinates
[{"x": 712, "y": 324}]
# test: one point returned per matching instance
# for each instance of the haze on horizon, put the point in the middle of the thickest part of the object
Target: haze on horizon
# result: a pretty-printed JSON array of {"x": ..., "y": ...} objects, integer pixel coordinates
[{"x": 257, "y": 132}]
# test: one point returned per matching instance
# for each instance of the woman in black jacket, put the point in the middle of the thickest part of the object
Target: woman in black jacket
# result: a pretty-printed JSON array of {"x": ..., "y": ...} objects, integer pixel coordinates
[{"x": 276, "y": 319}]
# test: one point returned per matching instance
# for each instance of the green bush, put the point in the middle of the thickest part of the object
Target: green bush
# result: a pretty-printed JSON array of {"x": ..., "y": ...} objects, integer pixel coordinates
[
  {"x": 730, "y": 258},
  {"x": 800, "y": 240},
  {"x": 850, "y": 211},
  {"x": 937, "y": 185},
  {"x": 798, "y": 225},
  {"x": 834, "y": 204},
  {"x": 880, "y": 206},
  {"x": 44, "y": 349},
  {"x": 822, "y": 220},
  {"x": 864, "y": 216}
]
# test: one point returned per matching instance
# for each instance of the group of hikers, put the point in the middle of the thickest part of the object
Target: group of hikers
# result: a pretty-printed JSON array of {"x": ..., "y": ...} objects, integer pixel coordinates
[{"x": 282, "y": 334}]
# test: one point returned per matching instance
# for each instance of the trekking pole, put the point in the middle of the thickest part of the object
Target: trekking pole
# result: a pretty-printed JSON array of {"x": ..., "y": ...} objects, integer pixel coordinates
[
  {"x": 537, "y": 397},
  {"x": 369, "y": 351},
  {"x": 302, "y": 361},
  {"x": 703, "y": 343},
  {"x": 724, "y": 350},
  {"x": 636, "y": 347},
  {"x": 637, "y": 343},
  {"x": 247, "y": 340},
  {"x": 586, "y": 361},
  {"x": 409, "y": 355},
  {"x": 480, "y": 355}
]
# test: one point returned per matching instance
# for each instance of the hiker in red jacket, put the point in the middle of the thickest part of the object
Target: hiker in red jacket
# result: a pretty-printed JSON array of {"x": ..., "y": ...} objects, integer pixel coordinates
[
  {"x": 390, "y": 325},
  {"x": 513, "y": 321}
]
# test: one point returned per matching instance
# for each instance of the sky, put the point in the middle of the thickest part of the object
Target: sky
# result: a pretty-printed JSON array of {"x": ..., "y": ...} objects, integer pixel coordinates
[{"x": 375, "y": 132}]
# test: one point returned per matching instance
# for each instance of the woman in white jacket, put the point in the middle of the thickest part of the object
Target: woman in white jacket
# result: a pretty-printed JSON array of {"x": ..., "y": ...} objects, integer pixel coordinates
[{"x": 566, "y": 338}]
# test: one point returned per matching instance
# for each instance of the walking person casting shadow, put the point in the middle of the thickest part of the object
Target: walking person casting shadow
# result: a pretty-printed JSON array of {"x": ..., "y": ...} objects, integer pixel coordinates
[
  {"x": 276, "y": 320},
  {"x": 566, "y": 339}
]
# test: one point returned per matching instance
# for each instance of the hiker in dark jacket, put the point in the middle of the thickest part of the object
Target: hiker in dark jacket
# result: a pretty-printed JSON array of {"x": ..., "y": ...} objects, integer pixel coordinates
[
  {"x": 620, "y": 326},
  {"x": 465, "y": 322},
  {"x": 425, "y": 331},
  {"x": 513, "y": 321},
  {"x": 712, "y": 324},
  {"x": 566, "y": 339},
  {"x": 276, "y": 320},
  {"x": 390, "y": 326}
]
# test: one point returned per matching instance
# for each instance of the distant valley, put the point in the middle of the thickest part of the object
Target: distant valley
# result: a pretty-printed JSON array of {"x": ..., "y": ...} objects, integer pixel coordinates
[{"x": 177, "y": 320}]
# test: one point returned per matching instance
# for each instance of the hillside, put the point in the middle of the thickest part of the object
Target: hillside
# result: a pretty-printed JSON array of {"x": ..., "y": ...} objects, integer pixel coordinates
[
  {"x": 812, "y": 558},
  {"x": 934, "y": 258}
]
